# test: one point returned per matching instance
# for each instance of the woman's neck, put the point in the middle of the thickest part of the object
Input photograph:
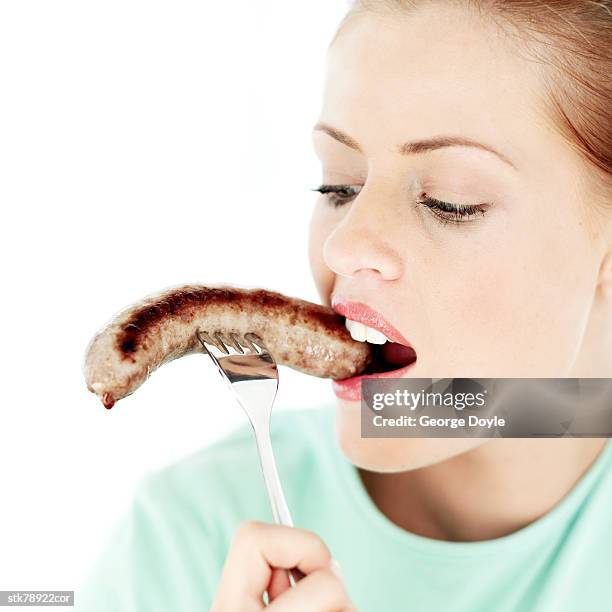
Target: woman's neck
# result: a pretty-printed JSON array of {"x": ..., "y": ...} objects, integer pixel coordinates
[{"x": 487, "y": 492}]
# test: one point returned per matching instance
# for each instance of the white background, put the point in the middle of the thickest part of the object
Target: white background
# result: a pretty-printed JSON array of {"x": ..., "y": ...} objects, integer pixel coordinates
[{"x": 142, "y": 145}]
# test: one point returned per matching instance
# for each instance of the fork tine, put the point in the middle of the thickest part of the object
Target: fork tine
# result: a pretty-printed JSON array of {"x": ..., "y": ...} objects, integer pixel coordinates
[
  {"x": 256, "y": 343},
  {"x": 235, "y": 341},
  {"x": 228, "y": 343},
  {"x": 246, "y": 342},
  {"x": 213, "y": 352},
  {"x": 212, "y": 345}
]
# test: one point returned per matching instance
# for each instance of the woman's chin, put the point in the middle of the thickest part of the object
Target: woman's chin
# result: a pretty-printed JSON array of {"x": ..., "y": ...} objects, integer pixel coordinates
[{"x": 391, "y": 454}]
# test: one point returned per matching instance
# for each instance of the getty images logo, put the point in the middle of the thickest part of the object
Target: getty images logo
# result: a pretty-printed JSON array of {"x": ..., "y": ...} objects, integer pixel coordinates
[{"x": 422, "y": 399}]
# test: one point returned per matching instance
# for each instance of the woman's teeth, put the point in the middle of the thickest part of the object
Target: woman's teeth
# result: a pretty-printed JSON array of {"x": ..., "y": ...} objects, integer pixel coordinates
[{"x": 363, "y": 333}]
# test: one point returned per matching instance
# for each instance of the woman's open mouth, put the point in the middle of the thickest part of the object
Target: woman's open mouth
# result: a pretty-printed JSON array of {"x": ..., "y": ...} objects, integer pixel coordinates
[{"x": 393, "y": 355}]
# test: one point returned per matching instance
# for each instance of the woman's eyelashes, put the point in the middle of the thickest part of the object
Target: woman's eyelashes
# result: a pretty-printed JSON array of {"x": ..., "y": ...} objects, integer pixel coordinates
[
  {"x": 445, "y": 212},
  {"x": 337, "y": 195}
]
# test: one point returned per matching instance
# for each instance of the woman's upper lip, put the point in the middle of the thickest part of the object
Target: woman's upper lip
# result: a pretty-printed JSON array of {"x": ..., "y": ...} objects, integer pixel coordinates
[{"x": 358, "y": 311}]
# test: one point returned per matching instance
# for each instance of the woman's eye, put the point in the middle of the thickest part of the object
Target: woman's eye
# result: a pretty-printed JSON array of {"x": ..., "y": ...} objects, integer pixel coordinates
[
  {"x": 445, "y": 212},
  {"x": 452, "y": 213},
  {"x": 337, "y": 195}
]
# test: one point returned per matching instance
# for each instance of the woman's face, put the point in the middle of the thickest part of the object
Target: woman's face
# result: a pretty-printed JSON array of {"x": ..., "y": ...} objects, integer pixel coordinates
[{"x": 503, "y": 292}]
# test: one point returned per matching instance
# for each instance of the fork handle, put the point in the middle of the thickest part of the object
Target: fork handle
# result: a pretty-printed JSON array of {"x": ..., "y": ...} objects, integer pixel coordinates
[{"x": 278, "y": 503}]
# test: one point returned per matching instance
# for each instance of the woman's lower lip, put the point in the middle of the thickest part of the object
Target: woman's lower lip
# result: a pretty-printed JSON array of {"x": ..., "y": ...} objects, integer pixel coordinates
[{"x": 350, "y": 388}]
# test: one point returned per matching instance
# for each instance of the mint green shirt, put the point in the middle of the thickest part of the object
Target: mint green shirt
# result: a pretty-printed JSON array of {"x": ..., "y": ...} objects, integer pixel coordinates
[{"x": 167, "y": 551}]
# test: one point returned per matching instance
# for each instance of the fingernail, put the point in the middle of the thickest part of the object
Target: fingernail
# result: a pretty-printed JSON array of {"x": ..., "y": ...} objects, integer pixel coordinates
[{"x": 336, "y": 568}]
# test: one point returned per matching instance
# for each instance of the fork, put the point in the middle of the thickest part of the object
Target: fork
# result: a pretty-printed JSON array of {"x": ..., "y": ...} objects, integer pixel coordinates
[{"x": 250, "y": 371}]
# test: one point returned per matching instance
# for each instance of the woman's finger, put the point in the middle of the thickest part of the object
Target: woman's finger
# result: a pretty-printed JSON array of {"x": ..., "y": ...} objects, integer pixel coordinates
[
  {"x": 279, "y": 583},
  {"x": 322, "y": 589}
]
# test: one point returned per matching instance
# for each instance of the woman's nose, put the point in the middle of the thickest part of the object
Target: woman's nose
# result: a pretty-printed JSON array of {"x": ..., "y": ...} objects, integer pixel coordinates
[{"x": 363, "y": 241}]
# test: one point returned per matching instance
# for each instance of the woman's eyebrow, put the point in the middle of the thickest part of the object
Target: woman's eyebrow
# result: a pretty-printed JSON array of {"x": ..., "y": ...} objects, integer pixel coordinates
[{"x": 416, "y": 146}]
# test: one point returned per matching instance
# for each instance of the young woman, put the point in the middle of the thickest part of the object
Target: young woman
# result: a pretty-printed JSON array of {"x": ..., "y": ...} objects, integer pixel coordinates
[{"x": 466, "y": 152}]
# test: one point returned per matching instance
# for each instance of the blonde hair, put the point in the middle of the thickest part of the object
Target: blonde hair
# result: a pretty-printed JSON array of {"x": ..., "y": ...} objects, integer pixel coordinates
[{"x": 573, "y": 38}]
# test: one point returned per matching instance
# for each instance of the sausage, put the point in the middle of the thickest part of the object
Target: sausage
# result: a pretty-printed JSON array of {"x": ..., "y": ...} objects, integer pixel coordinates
[{"x": 307, "y": 337}]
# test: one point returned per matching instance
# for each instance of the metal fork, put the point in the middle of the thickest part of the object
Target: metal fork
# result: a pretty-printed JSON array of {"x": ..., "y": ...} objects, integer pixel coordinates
[{"x": 246, "y": 365}]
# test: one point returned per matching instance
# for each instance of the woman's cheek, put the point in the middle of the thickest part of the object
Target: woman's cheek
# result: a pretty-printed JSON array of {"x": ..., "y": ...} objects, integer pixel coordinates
[
  {"x": 471, "y": 307},
  {"x": 513, "y": 322}
]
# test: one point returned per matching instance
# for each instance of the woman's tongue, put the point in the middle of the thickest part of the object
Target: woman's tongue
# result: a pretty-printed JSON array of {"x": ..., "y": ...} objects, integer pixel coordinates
[
  {"x": 397, "y": 355},
  {"x": 390, "y": 356}
]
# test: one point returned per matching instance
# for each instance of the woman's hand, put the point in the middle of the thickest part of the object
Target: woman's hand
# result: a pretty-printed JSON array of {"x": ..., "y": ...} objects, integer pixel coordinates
[{"x": 255, "y": 562}]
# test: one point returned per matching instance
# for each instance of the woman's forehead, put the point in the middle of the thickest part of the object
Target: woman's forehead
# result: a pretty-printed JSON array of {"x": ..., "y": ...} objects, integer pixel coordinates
[
  {"x": 414, "y": 61},
  {"x": 443, "y": 72}
]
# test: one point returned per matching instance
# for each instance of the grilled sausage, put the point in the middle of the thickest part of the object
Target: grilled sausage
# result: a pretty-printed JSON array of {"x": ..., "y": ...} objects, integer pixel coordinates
[{"x": 304, "y": 336}]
